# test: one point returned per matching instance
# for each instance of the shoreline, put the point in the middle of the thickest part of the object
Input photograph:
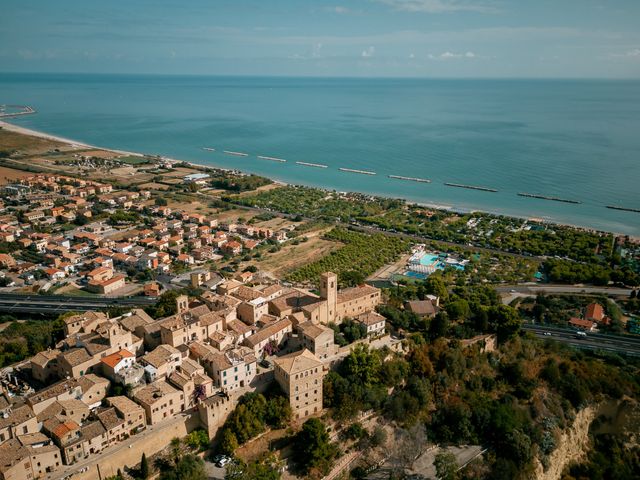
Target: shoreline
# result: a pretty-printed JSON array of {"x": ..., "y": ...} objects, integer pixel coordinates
[{"x": 450, "y": 208}]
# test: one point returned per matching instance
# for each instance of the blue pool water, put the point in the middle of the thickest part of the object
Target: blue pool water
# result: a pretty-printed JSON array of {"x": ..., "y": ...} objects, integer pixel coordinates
[{"x": 429, "y": 259}]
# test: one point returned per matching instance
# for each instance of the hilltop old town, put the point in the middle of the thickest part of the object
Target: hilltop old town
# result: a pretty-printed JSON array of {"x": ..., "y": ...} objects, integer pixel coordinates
[
  {"x": 157, "y": 312},
  {"x": 237, "y": 335}
]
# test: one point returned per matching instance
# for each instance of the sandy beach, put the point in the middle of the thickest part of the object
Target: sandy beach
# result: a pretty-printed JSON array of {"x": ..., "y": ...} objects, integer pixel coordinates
[
  {"x": 450, "y": 208},
  {"x": 35, "y": 133}
]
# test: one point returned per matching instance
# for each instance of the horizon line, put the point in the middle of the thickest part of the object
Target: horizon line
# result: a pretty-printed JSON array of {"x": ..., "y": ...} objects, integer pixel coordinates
[{"x": 337, "y": 77}]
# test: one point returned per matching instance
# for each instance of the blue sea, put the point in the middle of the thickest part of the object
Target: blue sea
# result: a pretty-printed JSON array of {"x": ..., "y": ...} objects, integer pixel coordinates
[{"x": 578, "y": 140}]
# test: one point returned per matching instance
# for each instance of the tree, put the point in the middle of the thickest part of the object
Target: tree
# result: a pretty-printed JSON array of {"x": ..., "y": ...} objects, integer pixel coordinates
[
  {"x": 144, "y": 467},
  {"x": 458, "y": 309},
  {"x": 446, "y": 466},
  {"x": 505, "y": 321},
  {"x": 278, "y": 412},
  {"x": 439, "y": 325},
  {"x": 362, "y": 364},
  {"x": 228, "y": 442},
  {"x": 165, "y": 306},
  {"x": 351, "y": 278},
  {"x": 379, "y": 436},
  {"x": 435, "y": 285},
  {"x": 189, "y": 467},
  {"x": 517, "y": 448},
  {"x": 176, "y": 449},
  {"x": 265, "y": 468},
  {"x": 197, "y": 440},
  {"x": 314, "y": 447}
]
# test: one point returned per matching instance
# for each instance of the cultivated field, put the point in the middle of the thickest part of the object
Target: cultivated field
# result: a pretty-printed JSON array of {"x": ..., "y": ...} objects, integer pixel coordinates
[{"x": 10, "y": 175}]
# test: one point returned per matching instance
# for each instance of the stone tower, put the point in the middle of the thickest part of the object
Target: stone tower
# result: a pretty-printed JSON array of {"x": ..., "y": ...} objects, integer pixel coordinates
[
  {"x": 329, "y": 292},
  {"x": 182, "y": 302}
]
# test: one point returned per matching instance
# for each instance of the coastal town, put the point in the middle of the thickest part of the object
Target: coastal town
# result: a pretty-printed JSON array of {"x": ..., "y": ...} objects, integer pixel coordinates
[
  {"x": 228, "y": 334},
  {"x": 228, "y": 298},
  {"x": 236, "y": 337},
  {"x": 356, "y": 240}
]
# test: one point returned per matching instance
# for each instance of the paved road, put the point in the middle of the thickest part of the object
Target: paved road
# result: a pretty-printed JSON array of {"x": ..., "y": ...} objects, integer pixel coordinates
[
  {"x": 569, "y": 289},
  {"x": 54, "y": 304},
  {"x": 464, "y": 454},
  {"x": 628, "y": 345},
  {"x": 423, "y": 465},
  {"x": 213, "y": 472}
]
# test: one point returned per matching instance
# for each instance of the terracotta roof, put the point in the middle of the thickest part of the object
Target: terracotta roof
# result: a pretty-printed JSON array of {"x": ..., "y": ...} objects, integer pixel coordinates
[
  {"x": 271, "y": 289},
  {"x": 246, "y": 293},
  {"x": 160, "y": 355},
  {"x": 44, "y": 357},
  {"x": 76, "y": 356},
  {"x": 110, "y": 419},
  {"x": 267, "y": 332},
  {"x": 64, "y": 428},
  {"x": 294, "y": 299},
  {"x": 179, "y": 379},
  {"x": 298, "y": 362},
  {"x": 581, "y": 323},
  {"x": 370, "y": 318},
  {"x": 153, "y": 392},
  {"x": 312, "y": 330},
  {"x": 594, "y": 312},
  {"x": 17, "y": 416},
  {"x": 421, "y": 307},
  {"x": 124, "y": 405},
  {"x": 356, "y": 292},
  {"x": 115, "y": 358}
]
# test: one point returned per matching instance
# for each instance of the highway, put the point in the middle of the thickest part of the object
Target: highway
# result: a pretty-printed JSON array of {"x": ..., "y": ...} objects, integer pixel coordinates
[
  {"x": 56, "y": 304},
  {"x": 628, "y": 345},
  {"x": 567, "y": 289}
]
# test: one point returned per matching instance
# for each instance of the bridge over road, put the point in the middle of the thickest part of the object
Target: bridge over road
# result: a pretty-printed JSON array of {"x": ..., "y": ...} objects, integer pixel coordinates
[{"x": 57, "y": 304}]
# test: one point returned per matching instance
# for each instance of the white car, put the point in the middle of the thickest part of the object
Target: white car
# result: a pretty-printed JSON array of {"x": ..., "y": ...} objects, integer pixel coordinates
[{"x": 221, "y": 460}]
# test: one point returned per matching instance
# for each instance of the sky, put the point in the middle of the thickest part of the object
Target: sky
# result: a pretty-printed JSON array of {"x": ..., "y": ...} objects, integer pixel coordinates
[{"x": 366, "y": 38}]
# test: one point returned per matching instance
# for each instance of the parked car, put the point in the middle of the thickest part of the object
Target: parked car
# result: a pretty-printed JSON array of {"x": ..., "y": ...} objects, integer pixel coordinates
[
  {"x": 265, "y": 363},
  {"x": 221, "y": 460}
]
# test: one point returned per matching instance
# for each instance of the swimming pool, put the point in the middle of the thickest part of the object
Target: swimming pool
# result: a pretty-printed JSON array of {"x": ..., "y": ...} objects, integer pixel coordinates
[
  {"x": 418, "y": 275},
  {"x": 428, "y": 259}
]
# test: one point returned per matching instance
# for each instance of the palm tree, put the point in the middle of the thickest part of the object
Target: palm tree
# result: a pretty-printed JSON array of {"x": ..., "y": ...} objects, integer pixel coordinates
[{"x": 176, "y": 449}]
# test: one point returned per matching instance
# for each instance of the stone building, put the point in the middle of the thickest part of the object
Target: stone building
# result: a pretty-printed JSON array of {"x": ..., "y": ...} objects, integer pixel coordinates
[{"x": 300, "y": 375}]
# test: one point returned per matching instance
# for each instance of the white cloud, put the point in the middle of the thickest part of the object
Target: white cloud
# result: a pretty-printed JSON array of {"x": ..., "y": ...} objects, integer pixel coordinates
[
  {"x": 369, "y": 52},
  {"x": 412, "y": 56},
  {"x": 440, "y": 6},
  {"x": 452, "y": 56},
  {"x": 635, "y": 53},
  {"x": 340, "y": 10}
]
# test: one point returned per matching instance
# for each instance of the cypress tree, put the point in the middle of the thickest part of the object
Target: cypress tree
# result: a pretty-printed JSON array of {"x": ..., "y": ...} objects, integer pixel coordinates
[{"x": 144, "y": 467}]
